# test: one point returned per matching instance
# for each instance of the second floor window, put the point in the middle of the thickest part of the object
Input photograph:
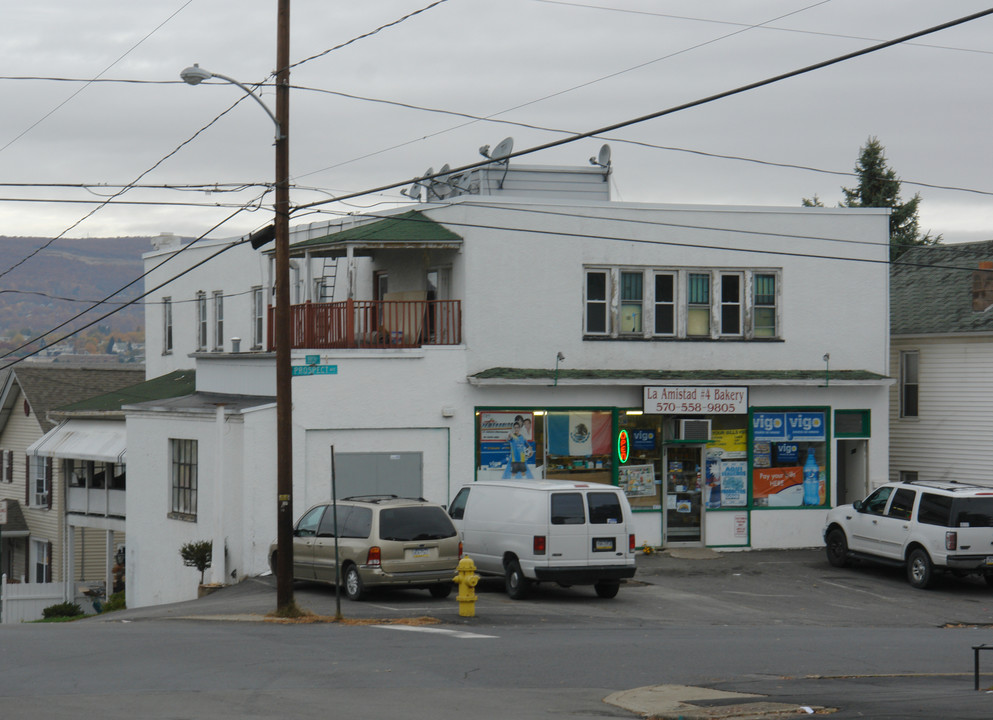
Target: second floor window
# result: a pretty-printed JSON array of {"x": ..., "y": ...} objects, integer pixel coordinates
[
  {"x": 909, "y": 383},
  {"x": 258, "y": 310},
  {"x": 681, "y": 303},
  {"x": 201, "y": 306},
  {"x": 166, "y": 325},
  {"x": 41, "y": 481},
  {"x": 218, "y": 320}
]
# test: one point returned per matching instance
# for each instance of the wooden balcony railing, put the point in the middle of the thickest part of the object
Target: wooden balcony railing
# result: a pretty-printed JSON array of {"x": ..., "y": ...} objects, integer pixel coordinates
[{"x": 373, "y": 324}]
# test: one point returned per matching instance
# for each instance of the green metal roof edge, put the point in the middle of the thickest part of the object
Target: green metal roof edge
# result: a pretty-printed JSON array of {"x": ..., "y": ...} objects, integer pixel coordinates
[
  {"x": 504, "y": 373},
  {"x": 174, "y": 384},
  {"x": 410, "y": 226}
]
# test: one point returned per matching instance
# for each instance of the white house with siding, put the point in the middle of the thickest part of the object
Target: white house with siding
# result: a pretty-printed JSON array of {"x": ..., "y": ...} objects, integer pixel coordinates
[
  {"x": 942, "y": 354},
  {"x": 728, "y": 366}
]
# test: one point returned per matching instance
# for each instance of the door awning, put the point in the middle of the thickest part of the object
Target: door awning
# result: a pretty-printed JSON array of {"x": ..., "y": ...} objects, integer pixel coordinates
[{"x": 99, "y": 440}]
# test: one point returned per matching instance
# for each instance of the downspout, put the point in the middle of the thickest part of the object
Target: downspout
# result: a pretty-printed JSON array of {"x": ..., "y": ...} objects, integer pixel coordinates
[{"x": 218, "y": 557}]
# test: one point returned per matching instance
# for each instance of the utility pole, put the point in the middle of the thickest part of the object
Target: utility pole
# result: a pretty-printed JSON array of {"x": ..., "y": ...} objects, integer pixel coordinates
[{"x": 284, "y": 398}]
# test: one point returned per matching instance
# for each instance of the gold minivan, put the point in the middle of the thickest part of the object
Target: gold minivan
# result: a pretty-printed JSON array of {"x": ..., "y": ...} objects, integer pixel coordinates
[{"x": 384, "y": 540}]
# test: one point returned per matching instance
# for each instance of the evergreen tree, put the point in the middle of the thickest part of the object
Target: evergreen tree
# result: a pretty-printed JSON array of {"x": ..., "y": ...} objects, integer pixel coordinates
[{"x": 879, "y": 186}]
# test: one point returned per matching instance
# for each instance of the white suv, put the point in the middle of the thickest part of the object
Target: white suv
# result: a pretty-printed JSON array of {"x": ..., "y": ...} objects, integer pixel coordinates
[{"x": 928, "y": 527}]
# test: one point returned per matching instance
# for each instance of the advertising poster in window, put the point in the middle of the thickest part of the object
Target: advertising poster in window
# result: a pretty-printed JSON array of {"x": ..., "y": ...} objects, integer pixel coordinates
[
  {"x": 724, "y": 452},
  {"x": 506, "y": 445},
  {"x": 637, "y": 480},
  {"x": 789, "y": 457}
]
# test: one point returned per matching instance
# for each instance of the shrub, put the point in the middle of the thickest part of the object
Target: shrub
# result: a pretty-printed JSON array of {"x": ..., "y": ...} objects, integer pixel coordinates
[
  {"x": 62, "y": 610},
  {"x": 114, "y": 602},
  {"x": 197, "y": 554}
]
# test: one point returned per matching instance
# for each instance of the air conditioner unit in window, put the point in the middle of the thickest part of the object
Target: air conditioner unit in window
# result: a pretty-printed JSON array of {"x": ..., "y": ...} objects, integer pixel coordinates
[{"x": 694, "y": 430}]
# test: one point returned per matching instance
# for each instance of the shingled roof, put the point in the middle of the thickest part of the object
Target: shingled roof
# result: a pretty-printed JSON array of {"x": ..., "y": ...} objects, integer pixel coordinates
[
  {"x": 47, "y": 387},
  {"x": 931, "y": 290}
]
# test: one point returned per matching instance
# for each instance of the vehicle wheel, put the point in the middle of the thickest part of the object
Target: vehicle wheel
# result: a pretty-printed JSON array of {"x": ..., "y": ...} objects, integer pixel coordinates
[
  {"x": 607, "y": 588},
  {"x": 920, "y": 570},
  {"x": 837, "y": 548},
  {"x": 518, "y": 586},
  {"x": 353, "y": 584},
  {"x": 441, "y": 590}
]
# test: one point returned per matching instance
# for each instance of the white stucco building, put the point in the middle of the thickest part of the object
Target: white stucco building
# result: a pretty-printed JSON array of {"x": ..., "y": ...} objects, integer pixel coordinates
[{"x": 695, "y": 355}]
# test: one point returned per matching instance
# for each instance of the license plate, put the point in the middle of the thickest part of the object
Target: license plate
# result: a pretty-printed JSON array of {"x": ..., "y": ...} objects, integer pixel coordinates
[
  {"x": 989, "y": 559},
  {"x": 418, "y": 553},
  {"x": 603, "y": 544}
]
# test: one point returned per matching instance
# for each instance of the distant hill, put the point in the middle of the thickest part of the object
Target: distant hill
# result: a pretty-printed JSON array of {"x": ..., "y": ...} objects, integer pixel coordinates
[{"x": 65, "y": 279}]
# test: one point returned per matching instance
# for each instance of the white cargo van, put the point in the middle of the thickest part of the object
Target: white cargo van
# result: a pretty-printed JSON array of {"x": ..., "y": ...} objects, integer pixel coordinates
[{"x": 530, "y": 531}]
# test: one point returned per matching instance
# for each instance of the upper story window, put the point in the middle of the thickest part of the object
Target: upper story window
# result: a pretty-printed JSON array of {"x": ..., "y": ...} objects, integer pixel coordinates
[
  {"x": 41, "y": 481},
  {"x": 166, "y": 325},
  {"x": 681, "y": 303},
  {"x": 201, "y": 306},
  {"x": 258, "y": 310},
  {"x": 596, "y": 302},
  {"x": 909, "y": 386},
  {"x": 218, "y": 320}
]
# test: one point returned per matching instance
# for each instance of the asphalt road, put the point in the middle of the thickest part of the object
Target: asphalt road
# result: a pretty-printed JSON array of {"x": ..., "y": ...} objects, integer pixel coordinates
[{"x": 781, "y": 625}]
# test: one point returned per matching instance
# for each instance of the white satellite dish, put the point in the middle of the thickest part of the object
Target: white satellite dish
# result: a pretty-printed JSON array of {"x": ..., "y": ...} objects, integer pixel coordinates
[
  {"x": 439, "y": 185},
  {"x": 504, "y": 149},
  {"x": 413, "y": 192},
  {"x": 603, "y": 157}
]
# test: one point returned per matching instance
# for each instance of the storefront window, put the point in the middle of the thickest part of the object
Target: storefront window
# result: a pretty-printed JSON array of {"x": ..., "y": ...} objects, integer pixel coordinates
[
  {"x": 579, "y": 446},
  {"x": 641, "y": 476},
  {"x": 789, "y": 458}
]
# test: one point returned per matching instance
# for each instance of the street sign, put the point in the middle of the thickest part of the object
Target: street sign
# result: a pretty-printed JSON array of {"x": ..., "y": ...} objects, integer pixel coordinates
[{"x": 315, "y": 370}]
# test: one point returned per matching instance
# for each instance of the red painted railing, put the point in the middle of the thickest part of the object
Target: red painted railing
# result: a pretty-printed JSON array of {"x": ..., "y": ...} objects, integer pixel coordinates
[{"x": 373, "y": 324}]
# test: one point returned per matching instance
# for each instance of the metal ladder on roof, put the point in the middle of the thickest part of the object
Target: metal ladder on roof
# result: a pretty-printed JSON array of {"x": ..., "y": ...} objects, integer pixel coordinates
[{"x": 325, "y": 283}]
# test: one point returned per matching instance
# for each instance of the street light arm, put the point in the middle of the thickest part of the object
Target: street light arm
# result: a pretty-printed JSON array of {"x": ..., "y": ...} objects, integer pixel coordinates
[{"x": 195, "y": 75}]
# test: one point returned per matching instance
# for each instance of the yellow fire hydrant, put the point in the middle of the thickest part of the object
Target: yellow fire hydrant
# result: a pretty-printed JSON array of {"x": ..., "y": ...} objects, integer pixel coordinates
[{"x": 466, "y": 579}]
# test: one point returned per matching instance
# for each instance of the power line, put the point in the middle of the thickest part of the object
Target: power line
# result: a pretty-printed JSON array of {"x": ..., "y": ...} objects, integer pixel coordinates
[
  {"x": 677, "y": 108},
  {"x": 68, "y": 99},
  {"x": 764, "y": 26}
]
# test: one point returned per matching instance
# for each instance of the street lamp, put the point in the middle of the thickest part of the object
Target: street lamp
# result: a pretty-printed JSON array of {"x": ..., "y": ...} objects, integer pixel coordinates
[{"x": 281, "y": 230}]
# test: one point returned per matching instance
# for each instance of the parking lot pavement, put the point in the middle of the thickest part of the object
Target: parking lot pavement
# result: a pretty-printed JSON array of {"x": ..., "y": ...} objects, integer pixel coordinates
[{"x": 693, "y": 586}]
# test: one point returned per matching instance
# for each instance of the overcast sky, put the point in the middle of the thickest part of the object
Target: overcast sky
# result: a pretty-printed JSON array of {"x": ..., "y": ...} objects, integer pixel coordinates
[{"x": 563, "y": 66}]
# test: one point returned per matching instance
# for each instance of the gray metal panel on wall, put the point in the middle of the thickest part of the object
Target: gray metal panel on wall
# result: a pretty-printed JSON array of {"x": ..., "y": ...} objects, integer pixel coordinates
[{"x": 385, "y": 473}]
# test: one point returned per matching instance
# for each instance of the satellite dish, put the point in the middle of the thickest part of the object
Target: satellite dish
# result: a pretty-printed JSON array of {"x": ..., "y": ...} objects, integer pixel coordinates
[
  {"x": 504, "y": 149},
  {"x": 603, "y": 157},
  {"x": 439, "y": 185},
  {"x": 413, "y": 192}
]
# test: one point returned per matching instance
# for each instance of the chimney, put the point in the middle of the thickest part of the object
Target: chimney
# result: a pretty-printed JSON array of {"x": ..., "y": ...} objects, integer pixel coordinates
[{"x": 982, "y": 287}]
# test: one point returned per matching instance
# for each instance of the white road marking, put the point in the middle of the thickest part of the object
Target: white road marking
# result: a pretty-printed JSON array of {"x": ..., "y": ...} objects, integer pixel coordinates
[{"x": 461, "y": 634}]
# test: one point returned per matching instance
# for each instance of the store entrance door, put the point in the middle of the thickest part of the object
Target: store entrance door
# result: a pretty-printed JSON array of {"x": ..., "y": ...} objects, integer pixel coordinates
[{"x": 683, "y": 500}]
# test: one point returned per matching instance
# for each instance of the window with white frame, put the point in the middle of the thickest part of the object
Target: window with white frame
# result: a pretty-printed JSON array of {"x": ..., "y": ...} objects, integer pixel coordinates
[
  {"x": 909, "y": 383},
  {"x": 218, "y": 320},
  {"x": 596, "y": 302},
  {"x": 166, "y": 325},
  {"x": 258, "y": 308},
  {"x": 697, "y": 303},
  {"x": 764, "y": 305},
  {"x": 183, "y": 461},
  {"x": 632, "y": 302},
  {"x": 41, "y": 481},
  {"x": 42, "y": 551},
  {"x": 201, "y": 308},
  {"x": 731, "y": 305},
  {"x": 665, "y": 303}
]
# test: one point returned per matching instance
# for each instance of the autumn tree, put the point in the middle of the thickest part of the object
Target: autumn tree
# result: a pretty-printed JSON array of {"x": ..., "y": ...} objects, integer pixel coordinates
[{"x": 879, "y": 186}]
